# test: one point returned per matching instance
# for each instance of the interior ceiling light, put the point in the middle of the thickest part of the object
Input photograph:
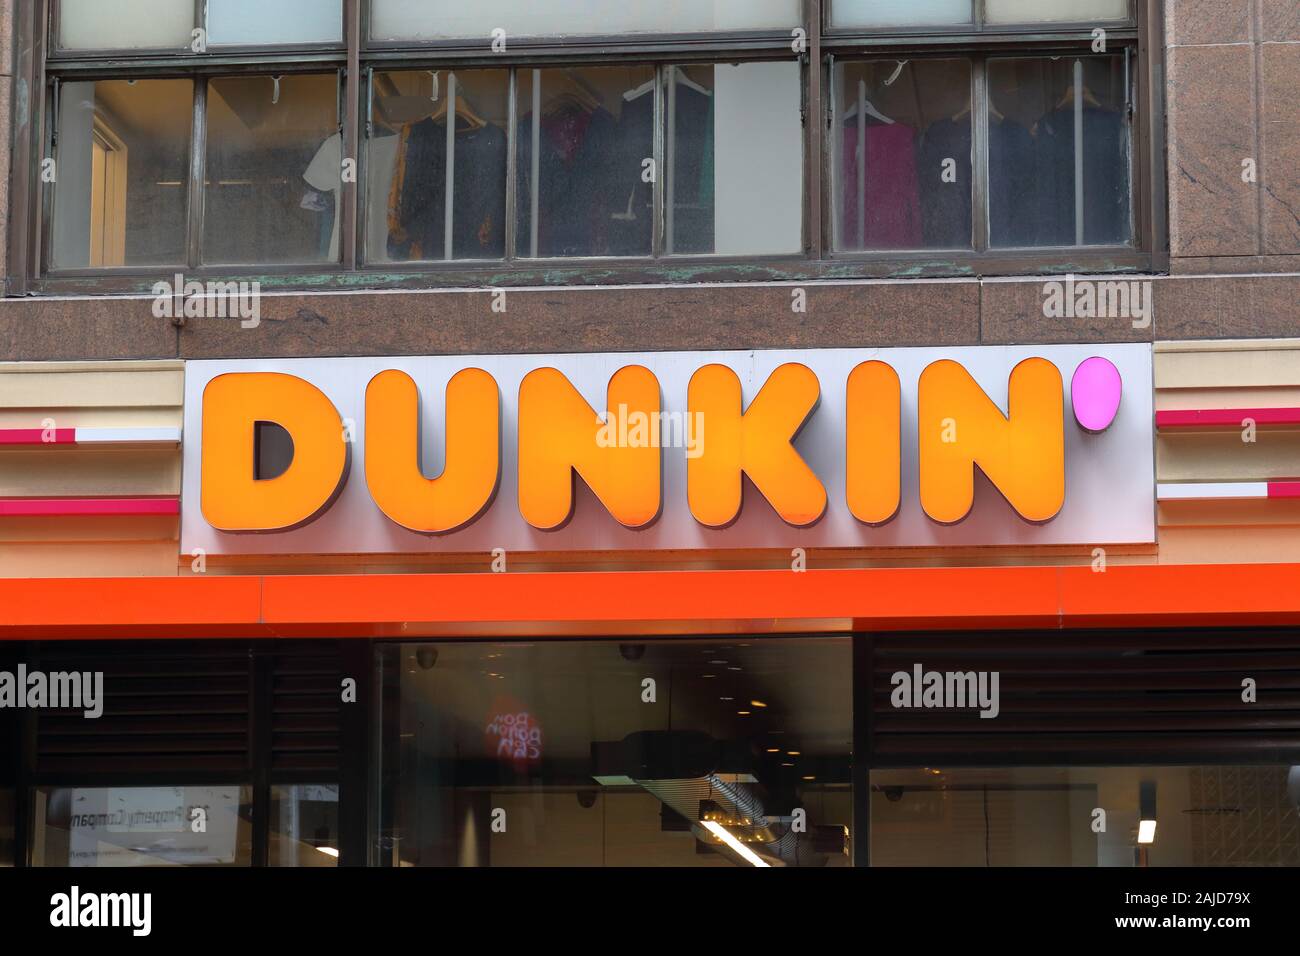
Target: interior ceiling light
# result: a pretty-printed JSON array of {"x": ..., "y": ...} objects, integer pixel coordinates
[
  {"x": 1147, "y": 812},
  {"x": 734, "y": 845}
]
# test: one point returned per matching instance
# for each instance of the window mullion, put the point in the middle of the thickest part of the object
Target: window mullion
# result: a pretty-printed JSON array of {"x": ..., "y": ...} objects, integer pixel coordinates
[
  {"x": 350, "y": 123},
  {"x": 980, "y": 212},
  {"x": 658, "y": 149},
  {"x": 815, "y": 239},
  {"x": 512, "y": 166},
  {"x": 198, "y": 173}
]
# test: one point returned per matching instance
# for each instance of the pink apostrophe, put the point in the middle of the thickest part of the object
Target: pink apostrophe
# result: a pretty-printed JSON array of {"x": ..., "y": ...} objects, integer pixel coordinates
[{"x": 1096, "y": 392}]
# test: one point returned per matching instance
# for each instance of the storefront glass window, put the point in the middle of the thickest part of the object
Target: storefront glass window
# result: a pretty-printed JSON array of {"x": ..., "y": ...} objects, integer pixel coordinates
[
  {"x": 435, "y": 194},
  {"x": 124, "y": 24},
  {"x": 667, "y": 753},
  {"x": 305, "y": 825},
  {"x": 920, "y": 13},
  {"x": 902, "y": 155},
  {"x": 143, "y": 826},
  {"x": 6, "y": 826},
  {"x": 732, "y": 132},
  {"x": 1057, "y": 11},
  {"x": 894, "y": 13},
  {"x": 123, "y": 164},
  {"x": 1059, "y": 152},
  {"x": 285, "y": 21},
  {"x": 274, "y": 170},
  {"x": 585, "y": 137},
  {"x": 1087, "y": 816},
  {"x": 451, "y": 19}
]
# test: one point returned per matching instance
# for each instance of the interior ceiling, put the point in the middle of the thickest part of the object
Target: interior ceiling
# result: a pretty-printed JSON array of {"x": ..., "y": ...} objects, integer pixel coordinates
[
  {"x": 583, "y": 692},
  {"x": 239, "y": 108}
]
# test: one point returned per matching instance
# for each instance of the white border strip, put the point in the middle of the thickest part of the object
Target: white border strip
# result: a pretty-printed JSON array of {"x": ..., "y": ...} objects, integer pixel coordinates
[
  {"x": 128, "y": 436},
  {"x": 1193, "y": 491}
]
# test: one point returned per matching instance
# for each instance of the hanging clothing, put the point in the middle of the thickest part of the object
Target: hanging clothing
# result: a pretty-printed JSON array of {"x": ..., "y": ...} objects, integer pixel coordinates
[
  {"x": 631, "y": 228},
  {"x": 1013, "y": 190},
  {"x": 1106, "y": 185},
  {"x": 324, "y": 175},
  {"x": 945, "y": 199},
  {"x": 890, "y": 193},
  {"x": 581, "y": 177},
  {"x": 417, "y": 204}
]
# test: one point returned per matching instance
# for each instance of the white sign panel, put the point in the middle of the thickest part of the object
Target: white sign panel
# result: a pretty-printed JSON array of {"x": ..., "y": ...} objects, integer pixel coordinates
[{"x": 1110, "y": 484}]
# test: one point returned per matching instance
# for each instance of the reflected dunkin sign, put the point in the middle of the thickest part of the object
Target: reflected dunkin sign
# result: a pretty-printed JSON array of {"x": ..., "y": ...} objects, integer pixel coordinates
[{"x": 834, "y": 448}]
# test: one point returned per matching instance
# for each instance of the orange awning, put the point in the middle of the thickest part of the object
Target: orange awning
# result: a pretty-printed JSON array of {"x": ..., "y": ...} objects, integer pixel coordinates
[{"x": 649, "y": 602}]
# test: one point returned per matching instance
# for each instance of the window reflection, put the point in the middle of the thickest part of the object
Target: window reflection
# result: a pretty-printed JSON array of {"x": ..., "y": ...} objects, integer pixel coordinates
[
  {"x": 676, "y": 753},
  {"x": 143, "y": 826},
  {"x": 1152, "y": 816},
  {"x": 304, "y": 825},
  {"x": 274, "y": 173}
]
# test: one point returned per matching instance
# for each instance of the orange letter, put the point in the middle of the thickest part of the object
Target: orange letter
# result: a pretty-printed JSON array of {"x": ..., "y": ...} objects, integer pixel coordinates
[
  {"x": 559, "y": 434},
  {"x": 233, "y": 498},
  {"x": 757, "y": 443},
  {"x": 874, "y": 464},
  {"x": 1023, "y": 453},
  {"x": 393, "y": 472}
]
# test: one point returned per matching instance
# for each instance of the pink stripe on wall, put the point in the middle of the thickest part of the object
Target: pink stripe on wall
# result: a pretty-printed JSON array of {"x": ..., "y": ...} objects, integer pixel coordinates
[
  {"x": 36, "y": 436},
  {"x": 1284, "y": 489},
  {"x": 1226, "y": 417},
  {"x": 87, "y": 507}
]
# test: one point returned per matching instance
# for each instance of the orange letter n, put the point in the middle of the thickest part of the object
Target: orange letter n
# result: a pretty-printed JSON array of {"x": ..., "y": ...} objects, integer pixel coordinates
[
  {"x": 1022, "y": 453},
  {"x": 619, "y": 459}
]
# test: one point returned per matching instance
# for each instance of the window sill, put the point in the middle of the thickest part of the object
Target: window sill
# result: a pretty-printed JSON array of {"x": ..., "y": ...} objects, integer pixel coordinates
[{"x": 615, "y": 272}]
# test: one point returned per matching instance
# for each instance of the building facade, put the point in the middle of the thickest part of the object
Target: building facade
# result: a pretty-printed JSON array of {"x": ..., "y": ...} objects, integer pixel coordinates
[{"x": 772, "y": 433}]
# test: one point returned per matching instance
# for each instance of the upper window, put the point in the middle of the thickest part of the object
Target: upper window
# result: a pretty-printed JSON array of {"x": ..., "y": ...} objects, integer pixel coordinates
[
  {"x": 171, "y": 24},
  {"x": 959, "y": 13},
  {"x": 455, "y": 19},
  {"x": 235, "y": 136}
]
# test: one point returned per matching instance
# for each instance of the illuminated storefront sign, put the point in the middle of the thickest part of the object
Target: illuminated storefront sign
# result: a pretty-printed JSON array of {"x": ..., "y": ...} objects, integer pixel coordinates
[{"x": 833, "y": 448}]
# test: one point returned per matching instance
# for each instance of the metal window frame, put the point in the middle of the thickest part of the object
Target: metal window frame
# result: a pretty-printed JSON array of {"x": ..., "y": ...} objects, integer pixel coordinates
[
  {"x": 358, "y": 58},
  {"x": 269, "y": 51},
  {"x": 981, "y": 250},
  {"x": 258, "y": 775}
]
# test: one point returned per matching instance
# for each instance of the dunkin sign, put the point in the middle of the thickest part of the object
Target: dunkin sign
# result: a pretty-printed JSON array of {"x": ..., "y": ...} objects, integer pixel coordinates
[{"x": 828, "y": 448}]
